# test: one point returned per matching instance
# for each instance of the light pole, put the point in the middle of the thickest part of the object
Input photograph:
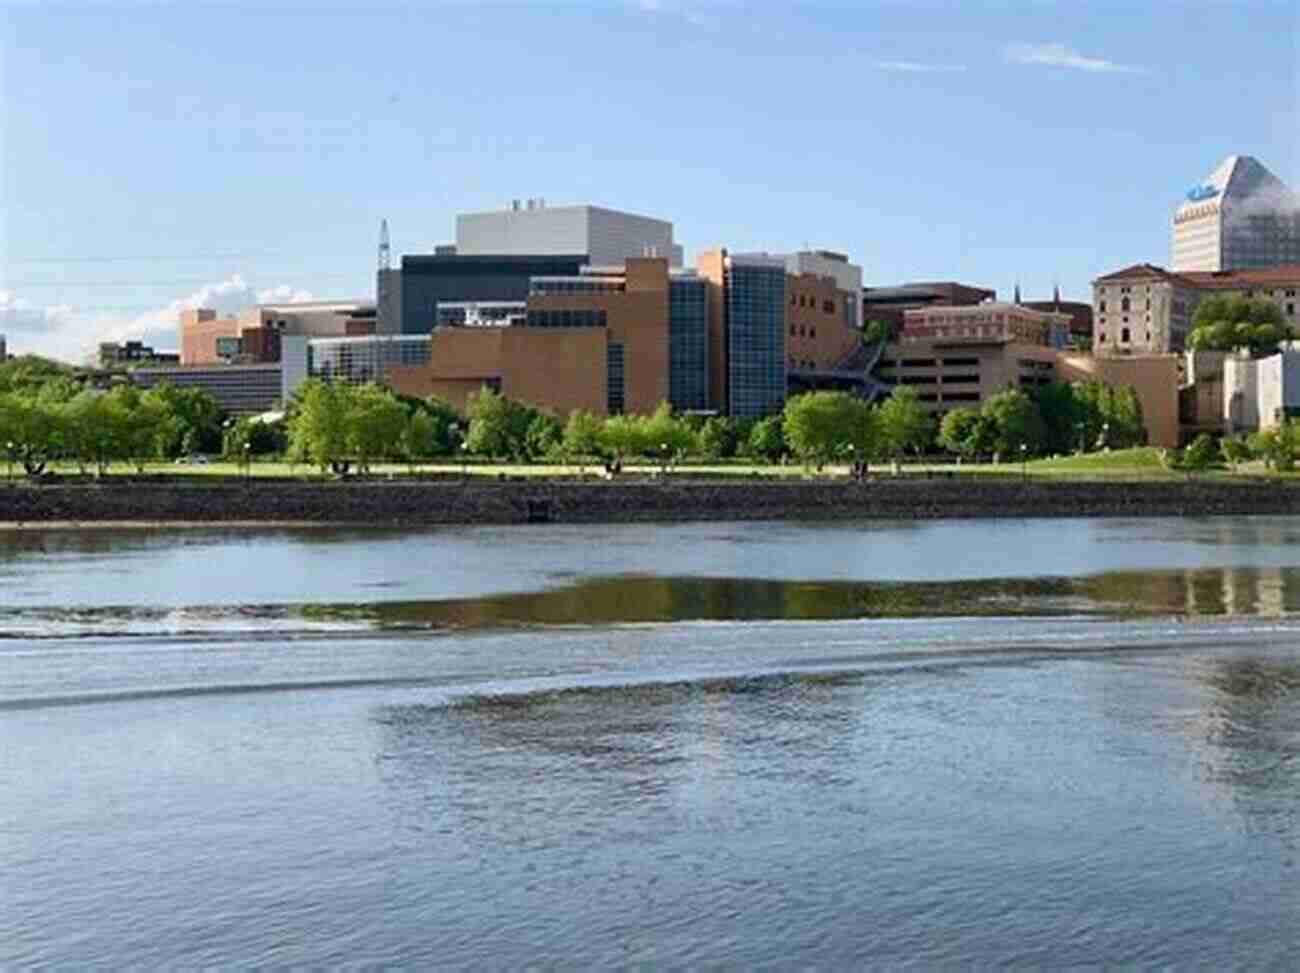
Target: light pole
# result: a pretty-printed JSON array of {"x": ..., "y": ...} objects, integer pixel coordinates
[
  {"x": 1024, "y": 469},
  {"x": 9, "y": 457},
  {"x": 1105, "y": 436},
  {"x": 663, "y": 458},
  {"x": 248, "y": 461},
  {"x": 464, "y": 460}
]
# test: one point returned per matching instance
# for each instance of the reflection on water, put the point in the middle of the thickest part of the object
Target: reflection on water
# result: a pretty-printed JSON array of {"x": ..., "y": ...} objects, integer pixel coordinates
[
  {"x": 1256, "y": 592},
  {"x": 1251, "y": 727}
]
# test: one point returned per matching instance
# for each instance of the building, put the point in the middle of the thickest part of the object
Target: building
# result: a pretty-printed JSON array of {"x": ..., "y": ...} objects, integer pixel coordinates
[
  {"x": 1258, "y": 393},
  {"x": 4, "y": 349},
  {"x": 427, "y": 280},
  {"x": 1146, "y": 309},
  {"x": 887, "y": 304},
  {"x": 606, "y": 340},
  {"x": 113, "y": 354},
  {"x": 238, "y": 389},
  {"x": 1242, "y": 216},
  {"x": 365, "y": 358},
  {"x": 827, "y": 263},
  {"x": 605, "y": 237},
  {"x": 256, "y": 333},
  {"x": 957, "y": 357},
  {"x": 747, "y": 331},
  {"x": 1079, "y": 313},
  {"x": 1142, "y": 309}
]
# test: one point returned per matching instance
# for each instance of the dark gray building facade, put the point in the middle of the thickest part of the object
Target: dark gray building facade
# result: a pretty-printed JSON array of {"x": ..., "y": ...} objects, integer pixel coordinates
[{"x": 411, "y": 295}]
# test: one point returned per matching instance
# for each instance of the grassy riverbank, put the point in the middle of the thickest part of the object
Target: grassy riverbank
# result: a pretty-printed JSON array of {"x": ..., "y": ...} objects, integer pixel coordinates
[{"x": 1141, "y": 464}]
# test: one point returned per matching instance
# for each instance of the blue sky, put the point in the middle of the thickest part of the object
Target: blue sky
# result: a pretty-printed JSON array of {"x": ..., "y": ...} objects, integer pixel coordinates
[{"x": 163, "y": 154}]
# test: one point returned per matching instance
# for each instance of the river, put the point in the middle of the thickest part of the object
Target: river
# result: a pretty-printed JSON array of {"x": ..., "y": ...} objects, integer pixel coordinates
[{"x": 1058, "y": 742}]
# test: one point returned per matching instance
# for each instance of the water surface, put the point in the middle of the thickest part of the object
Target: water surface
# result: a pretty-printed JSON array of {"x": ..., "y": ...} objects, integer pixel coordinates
[{"x": 1064, "y": 742}]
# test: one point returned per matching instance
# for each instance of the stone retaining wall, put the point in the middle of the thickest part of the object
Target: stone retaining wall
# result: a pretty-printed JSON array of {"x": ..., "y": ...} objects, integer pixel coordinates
[{"x": 384, "y": 503}]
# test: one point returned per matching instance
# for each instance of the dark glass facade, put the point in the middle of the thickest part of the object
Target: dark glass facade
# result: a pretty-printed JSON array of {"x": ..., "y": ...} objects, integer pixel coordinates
[
  {"x": 756, "y": 364},
  {"x": 688, "y": 343},
  {"x": 367, "y": 359},
  {"x": 426, "y": 280},
  {"x": 615, "y": 379}
]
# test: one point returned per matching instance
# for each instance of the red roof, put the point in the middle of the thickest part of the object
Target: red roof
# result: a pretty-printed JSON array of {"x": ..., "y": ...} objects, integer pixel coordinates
[{"x": 1210, "y": 279}]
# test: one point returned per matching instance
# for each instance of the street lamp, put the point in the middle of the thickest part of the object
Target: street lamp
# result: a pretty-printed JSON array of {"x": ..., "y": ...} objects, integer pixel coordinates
[
  {"x": 9, "y": 456},
  {"x": 1105, "y": 436},
  {"x": 663, "y": 458},
  {"x": 464, "y": 460},
  {"x": 1024, "y": 469},
  {"x": 248, "y": 461}
]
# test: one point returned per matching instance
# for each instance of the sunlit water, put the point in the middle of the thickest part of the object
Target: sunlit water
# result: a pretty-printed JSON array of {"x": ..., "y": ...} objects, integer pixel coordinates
[{"x": 1062, "y": 742}]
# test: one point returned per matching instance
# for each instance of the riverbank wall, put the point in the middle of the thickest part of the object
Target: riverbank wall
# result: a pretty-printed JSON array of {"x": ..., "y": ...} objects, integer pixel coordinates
[{"x": 550, "y": 501}]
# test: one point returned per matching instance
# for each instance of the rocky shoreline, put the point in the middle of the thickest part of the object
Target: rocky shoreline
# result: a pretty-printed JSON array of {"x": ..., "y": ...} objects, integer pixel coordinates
[{"x": 382, "y": 503}]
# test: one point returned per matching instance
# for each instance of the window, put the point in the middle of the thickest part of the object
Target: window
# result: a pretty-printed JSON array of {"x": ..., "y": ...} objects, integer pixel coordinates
[
  {"x": 1290, "y": 309},
  {"x": 1101, "y": 307},
  {"x": 1148, "y": 337},
  {"x": 1101, "y": 337},
  {"x": 1124, "y": 336},
  {"x": 812, "y": 332},
  {"x": 1124, "y": 304}
]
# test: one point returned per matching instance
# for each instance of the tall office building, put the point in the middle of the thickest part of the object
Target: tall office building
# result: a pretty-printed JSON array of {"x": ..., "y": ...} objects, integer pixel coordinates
[
  {"x": 606, "y": 237},
  {"x": 1242, "y": 216},
  {"x": 754, "y": 312}
]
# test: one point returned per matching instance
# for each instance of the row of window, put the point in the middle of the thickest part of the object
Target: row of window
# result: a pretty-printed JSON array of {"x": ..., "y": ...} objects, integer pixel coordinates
[
  {"x": 802, "y": 331},
  {"x": 568, "y": 318},
  {"x": 802, "y": 300}
]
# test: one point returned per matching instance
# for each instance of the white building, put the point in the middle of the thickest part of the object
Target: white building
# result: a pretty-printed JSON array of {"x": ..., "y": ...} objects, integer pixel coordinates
[
  {"x": 1261, "y": 393},
  {"x": 1241, "y": 216},
  {"x": 607, "y": 237}
]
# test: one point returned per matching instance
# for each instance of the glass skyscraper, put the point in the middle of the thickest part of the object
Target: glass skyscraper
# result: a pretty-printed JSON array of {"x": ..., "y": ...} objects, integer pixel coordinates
[
  {"x": 1241, "y": 217},
  {"x": 756, "y": 360}
]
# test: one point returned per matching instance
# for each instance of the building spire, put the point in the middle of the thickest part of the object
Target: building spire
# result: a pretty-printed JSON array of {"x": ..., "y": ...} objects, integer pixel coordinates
[
  {"x": 1017, "y": 299},
  {"x": 1056, "y": 295}
]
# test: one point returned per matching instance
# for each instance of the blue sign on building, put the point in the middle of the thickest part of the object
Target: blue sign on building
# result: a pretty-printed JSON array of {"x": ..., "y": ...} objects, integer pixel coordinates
[{"x": 1203, "y": 191}]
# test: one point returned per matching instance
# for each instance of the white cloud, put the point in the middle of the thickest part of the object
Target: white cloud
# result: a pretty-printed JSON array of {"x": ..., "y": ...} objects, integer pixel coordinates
[
  {"x": 73, "y": 335},
  {"x": 694, "y": 14},
  {"x": 917, "y": 67},
  {"x": 1060, "y": 56}
]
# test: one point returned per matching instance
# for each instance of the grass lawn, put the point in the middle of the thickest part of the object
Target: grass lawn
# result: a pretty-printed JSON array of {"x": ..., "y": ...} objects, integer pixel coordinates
[{"x": 1122, "y": 464}]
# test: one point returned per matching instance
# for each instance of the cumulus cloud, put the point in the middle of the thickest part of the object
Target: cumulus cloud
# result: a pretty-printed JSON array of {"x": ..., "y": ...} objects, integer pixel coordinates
[
  {"x": 917, "y": 67},
  {"x": 70, "y": 334},
  {"x": 1060, "y": 56}
]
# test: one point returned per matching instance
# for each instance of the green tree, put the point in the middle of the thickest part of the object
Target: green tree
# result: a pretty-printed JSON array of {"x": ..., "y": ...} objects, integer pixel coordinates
[
  {"x": 318, "y": 425},
  {"x": 1200, "y": 455},
  {"x": 582, "y": 434},
  {"x": 1277, "y": 447},
  {"x": 1229, "y": 322},
  {"x": 819, "y": 426},
  {"x": 1016, "y": 423},
  {"x": 717, "y": 438},
  {"x": 498, "y": 426},
  {"x": 1061, "y": 409},
  {"x": 375, "y": 421},
  {"x": 904, "y": 423},
  {"x": 956, "y": 431},
  {"x": 1235, "y": 450},
  {"x": 766, "y": 439},
  {"x": 420, "y": 438},
  {"x": 624, "y": 436},
  {"x": 95, "y": 430},
  {"x": 31, "y": 430},
  {"x": 545, "y": 437},
  {"x": 667, "y": 435}
]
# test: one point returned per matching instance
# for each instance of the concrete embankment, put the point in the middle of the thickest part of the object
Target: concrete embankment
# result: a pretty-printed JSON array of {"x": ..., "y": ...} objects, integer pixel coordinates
[{"x": 491, "y": 502}]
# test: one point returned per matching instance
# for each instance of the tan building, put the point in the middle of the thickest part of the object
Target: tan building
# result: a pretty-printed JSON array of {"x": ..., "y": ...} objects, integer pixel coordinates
[
  {"x": 254, "y": 335},
  {"x": 1146, "y": 309},
  {"x": 958, "y": 357},
  {"x": 600, "y": 341}
]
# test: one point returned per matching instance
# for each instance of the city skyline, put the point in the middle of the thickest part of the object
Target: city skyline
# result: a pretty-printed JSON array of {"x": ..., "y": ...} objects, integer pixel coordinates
[{"x": 1042, "y": 147}]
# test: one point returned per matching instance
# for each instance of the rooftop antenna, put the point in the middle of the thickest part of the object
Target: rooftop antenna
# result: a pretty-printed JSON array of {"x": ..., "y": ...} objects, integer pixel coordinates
[{"x": 385, "y": 250}]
